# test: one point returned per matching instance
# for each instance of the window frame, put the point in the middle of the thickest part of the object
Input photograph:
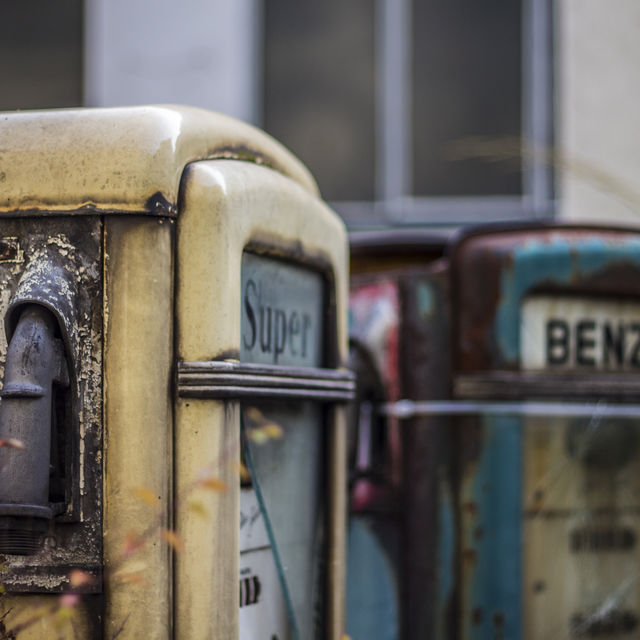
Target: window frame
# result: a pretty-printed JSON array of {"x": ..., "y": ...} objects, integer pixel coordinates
[{"x": 395, "y": 205}]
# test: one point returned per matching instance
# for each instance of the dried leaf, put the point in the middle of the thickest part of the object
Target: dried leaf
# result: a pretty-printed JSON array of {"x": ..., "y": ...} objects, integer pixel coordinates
[
  {"x": 273, "y": 430},
  {"x": 213, "y": 484},
  {"x": 173, "y": 540},
  {"x": 198, "y": 508},
  {"x": 254, "y": 415},
  {"x": 13, "y": 443},
  {"x": 134, "y": 577},
  {"x": 69, "y": 600},
  {"x": 146, "y": 495},
  {"x": 258, "y": 436},
  {"x": 78, "y": 578},
  {"x": 132, "y": 542},
  {"x": 245, "y": 474},
  {"x": 132, "y": 573}
]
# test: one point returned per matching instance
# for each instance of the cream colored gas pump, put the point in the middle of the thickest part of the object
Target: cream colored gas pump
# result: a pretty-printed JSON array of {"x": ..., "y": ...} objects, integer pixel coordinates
[{"x": 190, "y": 286}]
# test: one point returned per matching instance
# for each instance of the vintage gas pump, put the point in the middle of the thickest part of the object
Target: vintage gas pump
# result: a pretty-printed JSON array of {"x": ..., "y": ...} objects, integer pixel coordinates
[
  {"x": 546, "y": 343},
  {"x": 399, "y": 325},
  {"x": 172, "y": 424}
]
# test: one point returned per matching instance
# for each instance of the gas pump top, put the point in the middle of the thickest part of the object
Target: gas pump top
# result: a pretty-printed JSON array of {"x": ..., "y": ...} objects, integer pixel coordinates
[{"x": 121, "y": 160}]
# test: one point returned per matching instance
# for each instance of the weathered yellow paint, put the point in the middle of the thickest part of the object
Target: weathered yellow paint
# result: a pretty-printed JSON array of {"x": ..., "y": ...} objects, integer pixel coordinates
[
  {"x": 127, "y": 160},
  {"x": 207, "y": 447},
  {"x": 138, "y": 350},
  {"x": 227, "y": 207}
]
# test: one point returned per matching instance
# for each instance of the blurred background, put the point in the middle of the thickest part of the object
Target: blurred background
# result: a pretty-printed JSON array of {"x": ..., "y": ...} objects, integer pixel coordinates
[{"x": 408, "y": 112}]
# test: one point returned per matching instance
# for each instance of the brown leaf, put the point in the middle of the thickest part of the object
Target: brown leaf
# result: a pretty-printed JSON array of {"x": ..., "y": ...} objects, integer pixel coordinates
[
  {"x": 173, "y": 540},
  {"x": 132, "y": 573},
  {"x": 273, "y": 430},
  {"x": 213, "y": 484},
  {"x": 146, "y": 495},
  {"x": 78, "y": 578},
  {"x": 245, "y": 474},
  {"x": 133, "y": 577},
  {"x": 132, "y": 542},
  {"x": 13, "y": 443},
  {"x": 254, "y": 415}
]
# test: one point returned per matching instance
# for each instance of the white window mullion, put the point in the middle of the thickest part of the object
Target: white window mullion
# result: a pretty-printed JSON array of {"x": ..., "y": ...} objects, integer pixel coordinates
[
  {"x": 537, "y": 98},
  {"x": 393, "y": 166}
]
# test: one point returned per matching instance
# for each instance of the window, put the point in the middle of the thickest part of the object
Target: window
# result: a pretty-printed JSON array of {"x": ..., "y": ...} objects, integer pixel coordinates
[
  {"x": 431, "y": 111},
  {"x": 40, "y": 54}
]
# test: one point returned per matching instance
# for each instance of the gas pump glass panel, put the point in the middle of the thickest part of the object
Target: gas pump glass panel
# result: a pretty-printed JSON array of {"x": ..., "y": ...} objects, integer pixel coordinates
[
  {"x": 282, "y": 506},
  {"x": 581, "y": 478}
]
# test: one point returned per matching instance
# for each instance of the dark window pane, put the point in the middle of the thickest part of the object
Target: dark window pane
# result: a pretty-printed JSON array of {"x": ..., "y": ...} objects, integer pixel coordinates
[
  {"x": 40, "y": 53},
  {"x": 319, "y": 90},
  {"x": 466, "y": 97}
]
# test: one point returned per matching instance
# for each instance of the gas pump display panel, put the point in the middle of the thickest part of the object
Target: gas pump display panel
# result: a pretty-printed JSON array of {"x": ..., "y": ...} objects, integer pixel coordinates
[{"x": 282, "y": 510}]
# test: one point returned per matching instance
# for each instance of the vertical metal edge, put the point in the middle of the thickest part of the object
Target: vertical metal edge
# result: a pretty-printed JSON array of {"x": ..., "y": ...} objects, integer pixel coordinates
[
  {"x": 207, "y": 432},
  {"x": 491, "y": 531},
  {"x": 428, "y": 566},
  {"x": 138, "y": 348},
  {"x": 338, "y": 523}
]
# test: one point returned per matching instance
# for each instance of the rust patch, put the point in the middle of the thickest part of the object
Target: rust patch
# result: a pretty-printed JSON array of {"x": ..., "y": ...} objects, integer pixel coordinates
[
  {"x": 470, "y": 508},
  {"x": 469, "y": 557},
  {"x": 158, "y": 205}
]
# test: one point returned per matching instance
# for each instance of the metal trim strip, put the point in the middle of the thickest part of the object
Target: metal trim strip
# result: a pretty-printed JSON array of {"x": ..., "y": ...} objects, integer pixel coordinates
[
  {"x": 219, "y": 380},
  {"x": 519, "y": 385}
]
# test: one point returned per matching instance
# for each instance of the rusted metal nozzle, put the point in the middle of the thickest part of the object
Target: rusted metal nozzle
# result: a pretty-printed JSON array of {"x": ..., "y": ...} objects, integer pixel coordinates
[{"x": 35, "y": 361}]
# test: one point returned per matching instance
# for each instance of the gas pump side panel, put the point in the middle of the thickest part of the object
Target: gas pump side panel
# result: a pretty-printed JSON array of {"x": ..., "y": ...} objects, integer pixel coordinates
[{"x": 138, "y": 425}]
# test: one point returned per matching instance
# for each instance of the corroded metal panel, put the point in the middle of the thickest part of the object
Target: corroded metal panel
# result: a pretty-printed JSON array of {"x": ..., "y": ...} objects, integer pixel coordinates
[
  {"x": 57, "y": 263},
  {"x": 548, "y": 517},
  {"x": 494, "y": 271}
]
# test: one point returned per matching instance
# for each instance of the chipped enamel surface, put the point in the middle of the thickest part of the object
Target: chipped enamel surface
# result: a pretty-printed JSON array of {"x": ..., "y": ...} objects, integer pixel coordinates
[{"x": 127, "y": 160}]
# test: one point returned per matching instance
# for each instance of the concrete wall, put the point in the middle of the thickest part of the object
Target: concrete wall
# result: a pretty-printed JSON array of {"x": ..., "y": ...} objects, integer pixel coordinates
[
  {"x": 598, "y": 109},
  {"x": 196, "y": 52}
]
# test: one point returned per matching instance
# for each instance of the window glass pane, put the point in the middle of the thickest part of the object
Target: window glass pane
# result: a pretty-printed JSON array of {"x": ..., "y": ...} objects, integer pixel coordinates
[
  {"x": 581, "y": 527},
  {"x": 40, "y": 53},
  {"x": 319, "y": 90},
  {"x": 282, "y": 509},
  {"x": 286, "y": 469},
  {"x": 466, "y": 97}
]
